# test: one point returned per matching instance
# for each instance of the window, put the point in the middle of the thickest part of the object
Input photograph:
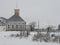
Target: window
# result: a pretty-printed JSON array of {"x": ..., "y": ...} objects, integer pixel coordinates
[
  {"x": 0, "y": 20},
  {"x": 12, "y": 26},
  {"x": 8, "y": 26},
  {"x": 20, "y": 26},
  {"x": 16, "y": 26}
]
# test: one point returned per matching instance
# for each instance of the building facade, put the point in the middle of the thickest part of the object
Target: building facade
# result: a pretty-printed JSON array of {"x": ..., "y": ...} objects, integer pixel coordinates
[{"x": 15, "y": 23}]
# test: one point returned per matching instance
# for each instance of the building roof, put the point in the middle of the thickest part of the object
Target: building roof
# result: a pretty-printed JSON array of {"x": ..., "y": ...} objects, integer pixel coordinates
[
  {"x": 15, "y": 17},
  {"x": 3, "y": 18},
  {"x": 2, "y": 23}
]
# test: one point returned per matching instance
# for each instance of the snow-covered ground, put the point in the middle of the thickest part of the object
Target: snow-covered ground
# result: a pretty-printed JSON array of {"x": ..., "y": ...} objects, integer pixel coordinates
[{"x": 5, "y": 39}]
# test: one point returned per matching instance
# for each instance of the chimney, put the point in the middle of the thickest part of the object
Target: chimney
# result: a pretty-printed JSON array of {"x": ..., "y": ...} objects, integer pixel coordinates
[{"x": 17, "y": 11}]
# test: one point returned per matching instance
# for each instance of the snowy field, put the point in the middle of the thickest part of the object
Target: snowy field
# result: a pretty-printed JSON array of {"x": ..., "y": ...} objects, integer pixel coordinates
[{"x": 6, "y": 39}]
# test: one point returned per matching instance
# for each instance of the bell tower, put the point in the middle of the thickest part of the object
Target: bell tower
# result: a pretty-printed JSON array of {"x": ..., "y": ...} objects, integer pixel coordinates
[{"x": 17, "y": 11}]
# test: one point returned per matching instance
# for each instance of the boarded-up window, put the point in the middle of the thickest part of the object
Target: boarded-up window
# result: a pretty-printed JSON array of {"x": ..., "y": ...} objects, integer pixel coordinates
[
  {"x": 12, "y": 26},
  {"x": 16, "y": 26}
]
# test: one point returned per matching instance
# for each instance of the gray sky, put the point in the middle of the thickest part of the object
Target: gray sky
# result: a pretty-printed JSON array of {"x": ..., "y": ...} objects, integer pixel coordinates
[{"x": 46, "y": 11}]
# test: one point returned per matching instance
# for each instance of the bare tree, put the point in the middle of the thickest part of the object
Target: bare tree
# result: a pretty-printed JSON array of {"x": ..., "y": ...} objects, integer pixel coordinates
[{"x": 50, "y": 28}]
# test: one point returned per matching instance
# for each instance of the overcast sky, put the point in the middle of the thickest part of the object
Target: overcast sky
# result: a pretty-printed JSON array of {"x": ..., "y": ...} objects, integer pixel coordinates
[{"x": 46, "y": 11}]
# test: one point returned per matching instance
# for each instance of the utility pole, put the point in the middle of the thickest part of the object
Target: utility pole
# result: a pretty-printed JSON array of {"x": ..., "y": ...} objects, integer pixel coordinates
[{"x": 38, "y": 24}]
